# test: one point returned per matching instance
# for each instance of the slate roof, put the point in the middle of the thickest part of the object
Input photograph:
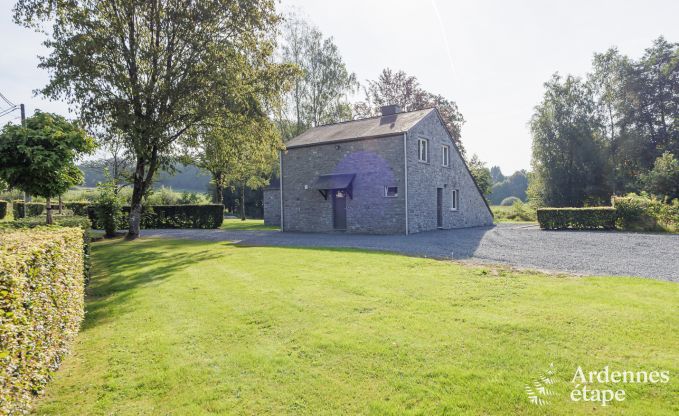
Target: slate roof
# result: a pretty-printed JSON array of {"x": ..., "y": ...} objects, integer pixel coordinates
[{"x": 360, "y": 129}]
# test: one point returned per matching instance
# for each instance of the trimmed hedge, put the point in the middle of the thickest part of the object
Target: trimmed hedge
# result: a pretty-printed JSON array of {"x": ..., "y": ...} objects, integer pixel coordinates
[
  {"x": 78, "y": 207},
  {"x": 22, "y": 209},
  {"x": 3, "y": 209},
  {"x": 42, "y": 306},
  {"x": 577, "y": 218},
  {"x": 173, "y": 216},
  {"x": 646, "y": 213}
]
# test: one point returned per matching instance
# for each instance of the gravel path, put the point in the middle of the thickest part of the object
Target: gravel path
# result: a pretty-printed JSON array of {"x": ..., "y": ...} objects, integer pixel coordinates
[{"x": 526, "y": 246}]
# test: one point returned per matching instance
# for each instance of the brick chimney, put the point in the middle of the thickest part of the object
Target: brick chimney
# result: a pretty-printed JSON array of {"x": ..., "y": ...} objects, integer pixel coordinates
[{"x": 390, "y": 110}]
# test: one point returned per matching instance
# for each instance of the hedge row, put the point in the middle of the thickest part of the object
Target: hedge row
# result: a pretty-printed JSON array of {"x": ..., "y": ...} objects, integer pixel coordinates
[
  {"x": 646, "y": 213},
  {"x": 3, "y": 209},
  {"x": 173, "y": 216},
  {"x": 22, "y": 209},
  {"x": 78, "y": 207},
  {"x": 577, "y": 218},
  {"x": 42, "y": 306}
]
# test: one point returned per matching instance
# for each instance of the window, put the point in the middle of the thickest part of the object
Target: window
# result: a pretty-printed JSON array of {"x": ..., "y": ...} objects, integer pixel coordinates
[
  {"x": 454, "y": 200},
  {"x": 445, "y": 155},
  {"x": 423, "y": 150},
  {"x": 391, "y": 191}
]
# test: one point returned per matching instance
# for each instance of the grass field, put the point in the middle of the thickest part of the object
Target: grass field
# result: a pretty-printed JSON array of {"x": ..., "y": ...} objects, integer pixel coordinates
[
  {"x": 512, "y": 214},
  {"x": 189, "y": 328},
  {"x": 249, "y": 224}
]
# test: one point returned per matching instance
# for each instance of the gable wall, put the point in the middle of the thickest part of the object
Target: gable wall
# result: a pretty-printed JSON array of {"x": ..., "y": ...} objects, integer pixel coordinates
[
  {"x": 424, "y": 178},
  {"x": 376, "y": 162}
]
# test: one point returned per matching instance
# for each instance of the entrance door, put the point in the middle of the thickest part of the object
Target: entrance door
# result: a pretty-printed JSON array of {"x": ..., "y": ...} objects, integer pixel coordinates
[
  {"x": 339, "y": 210},
  {"x": 439, "y": 207}
]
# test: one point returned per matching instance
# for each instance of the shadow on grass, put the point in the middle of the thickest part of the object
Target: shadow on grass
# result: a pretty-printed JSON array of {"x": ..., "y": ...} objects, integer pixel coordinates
[{"x": 129, "y": 265}]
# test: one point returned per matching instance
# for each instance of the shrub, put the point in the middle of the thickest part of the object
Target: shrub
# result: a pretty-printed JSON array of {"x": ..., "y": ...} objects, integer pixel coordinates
[
  {"x": 3, "y": 209},
  {"x": 41, "y": 296},
  {"x": 577, "y": 218},
  {"x": 107, "y": 208},
  {"x": 174, "y": 216},
  {"x": 645, "y": 213},
  {"x": 78, "y": 207},
  {"x": 22, "y": 209},
  {"x": 509, "y": 201}
]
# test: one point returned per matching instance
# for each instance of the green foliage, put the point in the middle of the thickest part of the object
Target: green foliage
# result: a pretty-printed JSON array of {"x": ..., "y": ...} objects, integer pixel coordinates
[
  {"x": 517, "y": 212},
  {"x": 397, "y": 87},
  {"x": 663, "y": 179},
  {"x": 3, "y": 209},
  {"x": 42, "y": 303},
  {"x": 481, "y": 175},
  {"x": 51, "y": 144},
  {"x": 509, "y": 201},
  {"x": 174, "y": 216},
  {"x": 514, "y": 185},
  {"x": 59, "y": 220},
  {"x": 646, "y": 213},
  {"x": 152, "y": 73},
  {"x": 21, "y": 209},
  {"x": 78, "y": 207},
  {"x": 107, "y": 208},
  {"x": 567, "y": 153},
  {"x": 319, "y": 91},
  {"x": 591, "y": 218}
]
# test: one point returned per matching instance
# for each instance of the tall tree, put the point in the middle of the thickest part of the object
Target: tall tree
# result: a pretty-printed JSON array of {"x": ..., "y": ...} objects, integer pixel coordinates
[
  {"x": 567, "y": 150},
  {"x": 155, "y": 69},
  {"x": 320, "y": 94},
  {"x": 39, "y": 158},
  {"x": 481, "y": 174},
  {"x": 405, "y": 90}
]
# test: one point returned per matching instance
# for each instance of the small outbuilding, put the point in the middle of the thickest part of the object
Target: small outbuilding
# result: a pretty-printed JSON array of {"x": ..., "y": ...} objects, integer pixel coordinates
[{"x": 397, "y": 173}]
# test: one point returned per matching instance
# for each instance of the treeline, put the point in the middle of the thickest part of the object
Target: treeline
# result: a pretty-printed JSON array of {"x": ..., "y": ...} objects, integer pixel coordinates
[{"x": 612, "y": 132}]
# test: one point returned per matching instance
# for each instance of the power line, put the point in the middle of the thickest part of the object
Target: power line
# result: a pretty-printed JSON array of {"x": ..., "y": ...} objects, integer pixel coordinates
[{"x": 11, "y": 104}]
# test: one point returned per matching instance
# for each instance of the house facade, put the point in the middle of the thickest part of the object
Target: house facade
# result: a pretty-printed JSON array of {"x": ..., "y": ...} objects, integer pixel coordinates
[{"x": 398, "y": 173}]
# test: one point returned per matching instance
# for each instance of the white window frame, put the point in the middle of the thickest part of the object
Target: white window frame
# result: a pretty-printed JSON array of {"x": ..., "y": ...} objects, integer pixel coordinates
[
  {"x": 445, "y": 156},
  {"x": 455, "y": 200},
  {"x": 423, "y": 144},
  {"x": 386, "y": 193}
]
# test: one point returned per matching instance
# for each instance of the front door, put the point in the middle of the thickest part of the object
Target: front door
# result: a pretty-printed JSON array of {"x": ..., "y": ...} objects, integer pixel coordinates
[
  {"x": 339, "y": 210},
  {"x": 439, "y": 207}
]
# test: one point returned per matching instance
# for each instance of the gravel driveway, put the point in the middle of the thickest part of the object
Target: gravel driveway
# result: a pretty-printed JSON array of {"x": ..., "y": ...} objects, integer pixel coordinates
[{"x": 526, "y": 246}]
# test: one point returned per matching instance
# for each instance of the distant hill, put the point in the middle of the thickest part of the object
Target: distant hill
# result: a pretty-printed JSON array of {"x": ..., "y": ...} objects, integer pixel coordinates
[{"x": 187, "y": 178}]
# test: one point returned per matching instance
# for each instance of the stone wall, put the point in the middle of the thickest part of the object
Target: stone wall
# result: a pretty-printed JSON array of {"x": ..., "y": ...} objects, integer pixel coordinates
[
  {"x": 272, "y": 207},
  {"x": 376, "y": 162},
  {"x": 424, "y": 178}
]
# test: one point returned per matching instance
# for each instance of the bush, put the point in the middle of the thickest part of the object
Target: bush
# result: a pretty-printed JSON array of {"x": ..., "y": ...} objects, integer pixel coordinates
[
  {"x": 107, "y": 208},
  {"x": 3, "y": 209},
  {"x": 645, "y": 213},
  {"x": 22, "y": 209},
  {"x": 577, "y": 218},
  {"x": 173, "y": 216},
  {"x": 42, "y": 300},
  {"x": 78, "y": 207},
  {"x": 509, "y": 201}
]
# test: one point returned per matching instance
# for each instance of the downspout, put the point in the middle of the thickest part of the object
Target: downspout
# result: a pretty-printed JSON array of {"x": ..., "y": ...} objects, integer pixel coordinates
[
  {"x": 405, "y": 170},
  {"x": 280, "y": 161}
]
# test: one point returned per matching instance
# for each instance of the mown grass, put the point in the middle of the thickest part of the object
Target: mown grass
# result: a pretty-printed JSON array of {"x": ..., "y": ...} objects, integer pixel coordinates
[
  {"x": 234, "y": 224},
  {"x": 190, "y": 328}
]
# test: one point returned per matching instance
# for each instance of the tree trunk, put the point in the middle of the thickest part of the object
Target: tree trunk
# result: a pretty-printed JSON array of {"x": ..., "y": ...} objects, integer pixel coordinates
[
  {"x": 134, "y": 220},
  {"x": 242, "y": 203},
  {"x": 48, "y": 207},
  {"x": 61, "y": 206},
  {"x": 218, "y": 196}
]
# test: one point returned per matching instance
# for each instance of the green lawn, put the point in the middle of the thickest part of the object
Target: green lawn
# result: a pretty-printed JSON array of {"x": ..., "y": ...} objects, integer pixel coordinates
[
  {"x": 509, "y": 214},
  {"x": 233, "y": 224},
  {"x": 189, "y": 328}
]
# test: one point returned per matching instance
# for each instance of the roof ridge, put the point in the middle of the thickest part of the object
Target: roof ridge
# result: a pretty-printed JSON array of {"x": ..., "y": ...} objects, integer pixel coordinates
[{"x": 370, "y": 118}]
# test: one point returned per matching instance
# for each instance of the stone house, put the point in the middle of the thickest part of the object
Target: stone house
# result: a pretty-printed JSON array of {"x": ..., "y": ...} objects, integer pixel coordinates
[{"x": 397, "y": 173}]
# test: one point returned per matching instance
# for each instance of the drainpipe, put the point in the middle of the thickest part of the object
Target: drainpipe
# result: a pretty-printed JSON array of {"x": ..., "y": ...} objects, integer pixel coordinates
[
  {"x": 280, "y": 185},
  {"x": 405, "y": 169}
]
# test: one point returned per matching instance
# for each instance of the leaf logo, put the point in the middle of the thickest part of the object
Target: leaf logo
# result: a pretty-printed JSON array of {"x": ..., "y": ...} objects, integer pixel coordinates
[{"x": 538, "y": 391}]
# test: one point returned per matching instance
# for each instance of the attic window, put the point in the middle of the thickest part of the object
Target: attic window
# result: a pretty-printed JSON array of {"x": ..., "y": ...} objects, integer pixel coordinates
[{"x": 391, "y": 191}]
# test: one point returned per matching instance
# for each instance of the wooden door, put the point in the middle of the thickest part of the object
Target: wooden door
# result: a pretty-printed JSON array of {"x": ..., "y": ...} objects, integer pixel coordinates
[
  {"x": 439, "y": 207},
  {"x": 339, "y": 210}
]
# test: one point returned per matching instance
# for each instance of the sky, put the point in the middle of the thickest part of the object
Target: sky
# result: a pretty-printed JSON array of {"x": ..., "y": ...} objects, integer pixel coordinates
[{"x": 491, "y": 57}]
